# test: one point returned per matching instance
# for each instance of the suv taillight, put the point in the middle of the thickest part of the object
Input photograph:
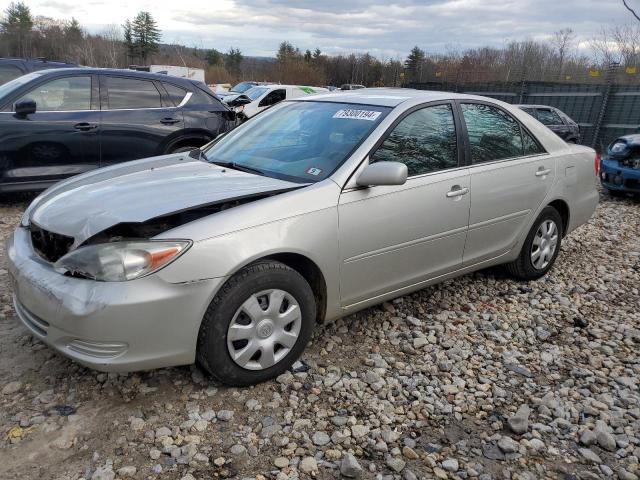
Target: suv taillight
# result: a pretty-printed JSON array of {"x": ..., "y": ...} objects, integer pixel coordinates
[{"x": 596, "y": 164}]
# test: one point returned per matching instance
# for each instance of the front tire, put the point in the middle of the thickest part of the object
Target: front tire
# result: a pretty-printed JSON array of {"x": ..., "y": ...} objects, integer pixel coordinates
[
  {"x": 540, "y": 248},
  {"x": 257, "y": 325}
]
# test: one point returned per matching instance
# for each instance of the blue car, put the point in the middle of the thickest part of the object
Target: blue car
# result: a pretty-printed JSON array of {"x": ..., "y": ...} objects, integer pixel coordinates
[{"x": 620, "y": 167}]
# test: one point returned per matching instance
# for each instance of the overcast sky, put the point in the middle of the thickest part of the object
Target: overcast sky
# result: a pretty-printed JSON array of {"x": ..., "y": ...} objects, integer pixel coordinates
[{"x": 385, "y": 28}]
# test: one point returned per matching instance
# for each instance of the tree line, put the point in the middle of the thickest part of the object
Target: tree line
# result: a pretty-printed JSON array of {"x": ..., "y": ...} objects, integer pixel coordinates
[{"x": 139, "y": 41}]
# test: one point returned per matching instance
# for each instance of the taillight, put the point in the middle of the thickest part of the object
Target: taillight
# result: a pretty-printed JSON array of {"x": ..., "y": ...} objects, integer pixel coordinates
[{"x": 596, "y": 164}]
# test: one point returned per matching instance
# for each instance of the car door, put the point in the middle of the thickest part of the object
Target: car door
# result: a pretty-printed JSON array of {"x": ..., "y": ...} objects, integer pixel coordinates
[
  {"x": 138, "y": 120},
  {"x": 552, "y": 120},
  {"x": 511, "y": 175},
  {"x": 59, "y": 140},
  {"x": 392, "y": 237}
]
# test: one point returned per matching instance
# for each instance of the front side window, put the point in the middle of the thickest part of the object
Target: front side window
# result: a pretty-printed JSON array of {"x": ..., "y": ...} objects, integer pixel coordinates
[
  {"x": 128, "y": 93},
  {"x": 299, "y": 141},
  {"x": 493, "y": 134},
  {"x": 424, "y": 140},
  {"x": 62, "y": 95},
  {"x": 548, "y": 117}
]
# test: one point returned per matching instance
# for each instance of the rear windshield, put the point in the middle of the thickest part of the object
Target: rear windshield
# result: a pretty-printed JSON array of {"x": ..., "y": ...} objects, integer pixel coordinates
[{"x": 298, "y": 141}]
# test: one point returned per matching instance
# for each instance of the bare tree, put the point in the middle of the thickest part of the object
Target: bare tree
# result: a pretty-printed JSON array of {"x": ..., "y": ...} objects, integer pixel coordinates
[
  {"x": 633, "y": 12},
  {"x": 562, "y": 42}
]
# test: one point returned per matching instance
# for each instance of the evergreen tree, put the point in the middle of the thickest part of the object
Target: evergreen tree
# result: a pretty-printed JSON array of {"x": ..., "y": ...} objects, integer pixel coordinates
[
  {"x": 287, "y": 52},
  {"x": 141, "y": 36},
  {"x": 128, "y": 40},
  {"x": 308, "y": 56},
  {"x": 415, "y": 62},
  {"x": 72, "y": 31},
  {"x": 214, "y": 57},
  {"x": 232, "y": 60},
  {"x": 17, "y": 23}
]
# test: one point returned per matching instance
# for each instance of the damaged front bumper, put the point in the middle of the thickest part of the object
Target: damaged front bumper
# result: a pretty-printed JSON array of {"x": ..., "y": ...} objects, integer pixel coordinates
[
  {"x": 109, "y": 326},
  {"x": 615, "y": 176}
]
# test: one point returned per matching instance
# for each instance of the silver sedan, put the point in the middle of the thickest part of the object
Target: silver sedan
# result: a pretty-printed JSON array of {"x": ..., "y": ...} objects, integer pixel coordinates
[{"x": 314, "y": 209}]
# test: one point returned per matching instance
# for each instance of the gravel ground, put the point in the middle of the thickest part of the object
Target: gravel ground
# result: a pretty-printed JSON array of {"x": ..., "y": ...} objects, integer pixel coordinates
[{"x": 479, "y": 377}]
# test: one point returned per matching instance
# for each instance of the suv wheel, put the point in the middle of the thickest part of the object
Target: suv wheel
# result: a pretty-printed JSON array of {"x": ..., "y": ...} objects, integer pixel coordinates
[
  {"x": 184, "y": 148},
  {"x": 540, "y": 248},
  {"x": 257, "y": 325}
]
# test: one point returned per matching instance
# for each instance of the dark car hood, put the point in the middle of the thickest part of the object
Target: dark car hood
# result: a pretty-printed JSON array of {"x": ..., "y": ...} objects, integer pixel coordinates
[{"x": 139, "y": 191}]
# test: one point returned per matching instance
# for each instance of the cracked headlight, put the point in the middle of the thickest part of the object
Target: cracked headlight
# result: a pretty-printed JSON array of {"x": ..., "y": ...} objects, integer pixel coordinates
[{"x": 122, "y": 261}]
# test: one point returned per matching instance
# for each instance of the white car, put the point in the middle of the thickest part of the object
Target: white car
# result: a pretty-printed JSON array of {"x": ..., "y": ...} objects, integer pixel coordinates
[{"x": 260, "y": 97}]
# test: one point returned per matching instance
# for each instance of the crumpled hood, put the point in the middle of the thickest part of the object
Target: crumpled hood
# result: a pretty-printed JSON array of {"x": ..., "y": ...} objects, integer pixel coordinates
[{"x": 139, "y": 191}]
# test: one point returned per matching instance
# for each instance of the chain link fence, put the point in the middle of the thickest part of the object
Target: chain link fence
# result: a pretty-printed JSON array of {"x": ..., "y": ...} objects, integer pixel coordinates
[{"x": 604, "y": 102}]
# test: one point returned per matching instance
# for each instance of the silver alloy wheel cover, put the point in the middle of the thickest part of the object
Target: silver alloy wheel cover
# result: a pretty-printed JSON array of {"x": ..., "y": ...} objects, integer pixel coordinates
[
  {"x": 268, "y": 328},
  {"x": 544, "y": 244}
]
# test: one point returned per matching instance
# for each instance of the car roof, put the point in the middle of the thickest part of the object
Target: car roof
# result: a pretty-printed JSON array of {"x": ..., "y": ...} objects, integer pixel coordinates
[
  {"x": 388, "y": 97},
  {"x": 34, "y": 61},
  {"x": 632, "y": 139},
  {"x": 119, "y": 71},
  {"x": 523, "y": 105}
]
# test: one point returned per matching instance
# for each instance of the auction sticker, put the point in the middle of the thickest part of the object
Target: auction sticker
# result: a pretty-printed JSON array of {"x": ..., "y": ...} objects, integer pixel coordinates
[
  {"x": 354, "y": 114},
  {"x": 314, "y": 171}
]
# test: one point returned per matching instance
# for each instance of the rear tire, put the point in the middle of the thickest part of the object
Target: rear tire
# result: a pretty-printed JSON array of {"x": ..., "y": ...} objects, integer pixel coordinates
[
  {"x": 540, "y": 248},
  {"x": 263, "y": 304},
  {"x": 182, "y": 149}
]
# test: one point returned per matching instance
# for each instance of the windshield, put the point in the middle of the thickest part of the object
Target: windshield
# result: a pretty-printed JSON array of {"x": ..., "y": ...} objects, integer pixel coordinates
[
  {"x": 255, "y": 92},
  {"x": 9, "y": 87},
  {"x": 297, "y": 141},
  {"x": 242, "y": 87}
]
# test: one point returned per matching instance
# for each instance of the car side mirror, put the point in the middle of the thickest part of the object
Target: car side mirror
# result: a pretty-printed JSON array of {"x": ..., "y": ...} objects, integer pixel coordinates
[
  {"x": 383, "y": 173},
  {"x": 241, "y": 100},
  {"x": 25, "y": 107}
]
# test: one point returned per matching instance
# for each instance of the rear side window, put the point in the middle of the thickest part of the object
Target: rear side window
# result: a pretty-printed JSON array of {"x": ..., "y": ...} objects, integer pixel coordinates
[
  {"x": 530, "y": 145},
  {"x": 127, "y": 93},
  {"x": 425, "y": 140},
  {"x": 548, "y": 117},
  {"x": 273, "y": 97},
  {"x": 8, "y": 73},
  {"x": 493, "y": 134},
  {"x": 176, "y": 94}
]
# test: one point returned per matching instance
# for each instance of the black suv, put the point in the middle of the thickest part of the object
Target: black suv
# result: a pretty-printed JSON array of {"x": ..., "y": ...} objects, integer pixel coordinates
[
  {"x": 556, "y": 120},
  {"x": 61, "y": 122},
  {"x": 11, "y": 68}
]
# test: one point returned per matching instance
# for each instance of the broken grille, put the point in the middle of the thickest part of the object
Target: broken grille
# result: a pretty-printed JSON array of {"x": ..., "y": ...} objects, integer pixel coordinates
[{"x": 49, "y": 245}]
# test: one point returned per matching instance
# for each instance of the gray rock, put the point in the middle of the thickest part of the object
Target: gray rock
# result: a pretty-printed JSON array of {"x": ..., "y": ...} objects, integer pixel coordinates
[
  {"x": 349, "y": 467},
  {"x": 508, "y": 445},
  {"x": 589, "y": 455},
  {"x": 225, "y": 415},
  {"x": 519, "y": 423},
  {"x": 450, "y": 464},
  {"x": 321, "y": 438},
  {"x": 11, "y": 388},
  {"x": 396, "y": 464}
]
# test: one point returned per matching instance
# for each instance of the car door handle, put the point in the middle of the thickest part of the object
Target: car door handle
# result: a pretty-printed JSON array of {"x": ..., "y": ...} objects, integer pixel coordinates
[
  {"x": 542, "y": 172},
  {"x": 85, "y": 127},
  {"x": 457, "y": 191},
  {"x": 169, "y": 121}
]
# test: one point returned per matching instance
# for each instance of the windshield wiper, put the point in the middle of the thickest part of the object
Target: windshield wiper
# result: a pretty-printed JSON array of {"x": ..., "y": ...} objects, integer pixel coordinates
[{"x": 241, "y": 168}]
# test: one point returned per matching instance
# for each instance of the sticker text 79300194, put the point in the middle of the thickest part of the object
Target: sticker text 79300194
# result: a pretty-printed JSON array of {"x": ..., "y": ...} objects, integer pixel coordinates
[{"x": 354, "y": 114}]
